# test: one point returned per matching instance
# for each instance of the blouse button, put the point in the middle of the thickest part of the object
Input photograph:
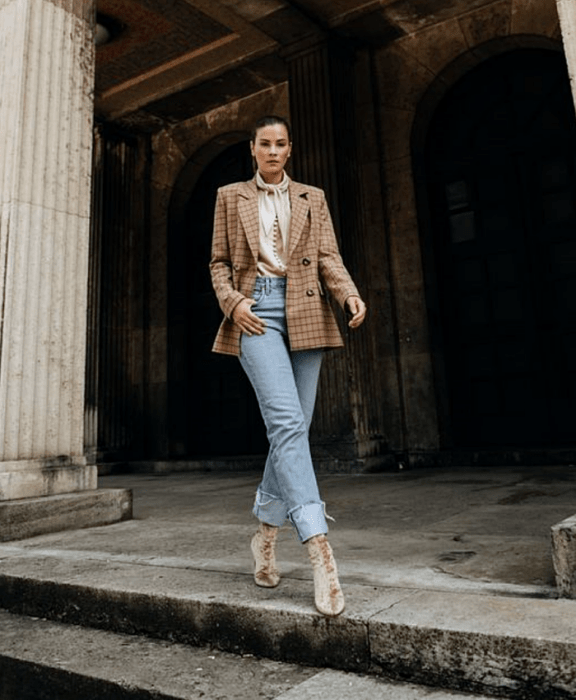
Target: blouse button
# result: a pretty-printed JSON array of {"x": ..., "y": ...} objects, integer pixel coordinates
[
  {"x": 310, "y": 292},
  {"x": 306, "y": 261}
]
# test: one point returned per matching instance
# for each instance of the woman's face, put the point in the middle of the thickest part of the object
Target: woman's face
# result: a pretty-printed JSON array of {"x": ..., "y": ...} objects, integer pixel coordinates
[{"x": 271, "y": 149}]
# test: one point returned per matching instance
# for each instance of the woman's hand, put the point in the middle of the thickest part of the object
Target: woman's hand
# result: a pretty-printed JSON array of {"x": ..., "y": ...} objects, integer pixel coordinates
[
  {"x": 248, "y": 322},
  {"x": 357, "y": 308}
]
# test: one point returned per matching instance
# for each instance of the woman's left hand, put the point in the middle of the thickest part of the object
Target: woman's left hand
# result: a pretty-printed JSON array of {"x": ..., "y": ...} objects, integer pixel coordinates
[{"x": 358, "y": 310}]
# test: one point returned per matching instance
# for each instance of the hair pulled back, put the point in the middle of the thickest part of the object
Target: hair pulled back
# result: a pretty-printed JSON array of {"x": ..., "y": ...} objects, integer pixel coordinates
[{"x": 271, "y": 120}]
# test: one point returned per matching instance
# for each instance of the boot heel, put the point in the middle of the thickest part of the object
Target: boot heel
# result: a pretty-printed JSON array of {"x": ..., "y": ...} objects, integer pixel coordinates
[
  {"x": 328, "y": 595},
  {"x": 263, "y": 546}
]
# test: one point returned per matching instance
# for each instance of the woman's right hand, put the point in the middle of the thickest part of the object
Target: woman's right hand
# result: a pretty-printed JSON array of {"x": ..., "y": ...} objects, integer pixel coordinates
[{"x": 247, "y": 321}]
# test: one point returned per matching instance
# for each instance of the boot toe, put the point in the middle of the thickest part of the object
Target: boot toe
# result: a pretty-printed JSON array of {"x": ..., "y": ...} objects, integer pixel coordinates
[{"x": 267, "y": 580}]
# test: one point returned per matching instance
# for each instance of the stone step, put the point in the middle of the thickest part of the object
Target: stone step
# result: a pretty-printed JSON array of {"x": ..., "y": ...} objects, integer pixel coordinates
[
  {"x": 41, "y": 659},
  {"x": 55, "y": 661},
  {"x": 28, "y": 517},
  {"x": 487, "y": 644}
]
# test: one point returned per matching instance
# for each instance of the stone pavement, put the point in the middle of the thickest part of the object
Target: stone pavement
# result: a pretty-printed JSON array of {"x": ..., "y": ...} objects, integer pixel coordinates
[{"x": 447, "y": 574}]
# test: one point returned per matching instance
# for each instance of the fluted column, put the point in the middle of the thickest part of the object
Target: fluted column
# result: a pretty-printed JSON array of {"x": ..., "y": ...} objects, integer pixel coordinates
[
  {"x": 346, "y": 426},
  {"x": 46, "y": 109},
  {"x": 567, "y": 15}
]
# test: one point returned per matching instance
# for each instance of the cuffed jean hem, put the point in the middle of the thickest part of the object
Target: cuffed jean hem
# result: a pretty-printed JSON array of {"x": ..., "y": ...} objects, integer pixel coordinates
[
  {"x": 269, "y": 509},
  {"x": 309, "y": 520}
]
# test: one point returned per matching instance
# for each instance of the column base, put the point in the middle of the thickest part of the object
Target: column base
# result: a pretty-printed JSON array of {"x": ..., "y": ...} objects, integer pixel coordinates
[
  {"x": 564, "y": 556},
  {"x": 28, "y": 517},
  {"x": 30, "y": 478}
]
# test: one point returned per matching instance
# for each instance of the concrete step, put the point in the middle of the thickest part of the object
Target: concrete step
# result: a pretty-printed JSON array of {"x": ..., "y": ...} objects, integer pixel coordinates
[
  {"x": 45, "y": 660},
  {"x": 27, "y": 517},
  {"x": 488, "y": 644},
  {"x": 340, "y": 685}
]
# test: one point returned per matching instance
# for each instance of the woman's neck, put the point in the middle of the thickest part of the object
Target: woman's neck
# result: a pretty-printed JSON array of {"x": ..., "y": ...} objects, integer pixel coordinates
[{"x": 272, "y": 178}]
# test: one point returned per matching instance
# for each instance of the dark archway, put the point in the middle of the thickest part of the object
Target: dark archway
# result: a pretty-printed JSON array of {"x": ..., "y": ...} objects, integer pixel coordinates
[
  {"x": 212, "y": 409},
  {"x": 501, "y": 189}
]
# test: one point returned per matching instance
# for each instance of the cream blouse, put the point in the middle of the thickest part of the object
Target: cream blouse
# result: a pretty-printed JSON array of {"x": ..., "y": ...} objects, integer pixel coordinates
[{"x": 274, "y": 211}]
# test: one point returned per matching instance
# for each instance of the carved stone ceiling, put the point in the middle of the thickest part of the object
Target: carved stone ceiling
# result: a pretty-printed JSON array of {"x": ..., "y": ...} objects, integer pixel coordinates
[{"x": 175, "y": 58}]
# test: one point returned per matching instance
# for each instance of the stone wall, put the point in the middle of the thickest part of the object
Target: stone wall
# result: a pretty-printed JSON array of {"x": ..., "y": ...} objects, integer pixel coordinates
[{"x": 411, "y": 76}]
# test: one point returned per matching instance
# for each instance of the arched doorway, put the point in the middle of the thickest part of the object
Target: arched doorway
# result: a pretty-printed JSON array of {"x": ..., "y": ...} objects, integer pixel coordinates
[
  {"x": 212, "y": 408},
  {"x": 501, "y": 172}
]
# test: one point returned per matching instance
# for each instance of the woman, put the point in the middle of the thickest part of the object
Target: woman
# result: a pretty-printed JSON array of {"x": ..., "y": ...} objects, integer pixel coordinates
[{"x": 273, "y": 253}]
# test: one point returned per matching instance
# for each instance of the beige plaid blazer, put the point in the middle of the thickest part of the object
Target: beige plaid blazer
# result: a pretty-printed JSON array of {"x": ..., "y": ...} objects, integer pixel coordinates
[{"x": 314, "y": 263}]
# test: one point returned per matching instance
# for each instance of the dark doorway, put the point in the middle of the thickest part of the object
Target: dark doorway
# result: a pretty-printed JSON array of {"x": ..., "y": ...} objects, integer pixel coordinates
[
  {"x": 212, "y": 408},
  {"x": 501, "y": 167}
]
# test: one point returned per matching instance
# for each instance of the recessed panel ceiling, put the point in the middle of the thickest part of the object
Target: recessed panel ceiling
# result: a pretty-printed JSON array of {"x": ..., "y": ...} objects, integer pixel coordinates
[
  {"x": 156, "y": 32},
  {"x": 414, "y": 15},
  {"x": 170, "y": 48}
]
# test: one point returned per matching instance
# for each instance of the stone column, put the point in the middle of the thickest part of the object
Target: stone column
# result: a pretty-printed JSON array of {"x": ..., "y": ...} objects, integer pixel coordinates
[
  {"x": 346, "y": 428},
  {"x": 46, "y": 112},
  {"x": 567, "y": 16}
]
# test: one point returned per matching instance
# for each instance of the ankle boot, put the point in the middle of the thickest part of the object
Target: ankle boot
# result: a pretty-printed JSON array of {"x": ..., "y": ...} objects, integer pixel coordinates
[
  {"x": 263, "y": 546},
  {"x": 328, "y": 595}
]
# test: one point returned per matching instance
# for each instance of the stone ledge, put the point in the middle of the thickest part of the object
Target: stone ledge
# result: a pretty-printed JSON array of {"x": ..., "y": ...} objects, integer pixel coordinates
[
  {"x": 498, "y": 645},
  {"x": 28, "y": 517},
  {"x": 564, "y": 556},
  {"x": 323, "y": 465},
  {"x": 511, "y": 647},
  {"x": 54, "y": 661},
  {"x": 35, "y": 662}
]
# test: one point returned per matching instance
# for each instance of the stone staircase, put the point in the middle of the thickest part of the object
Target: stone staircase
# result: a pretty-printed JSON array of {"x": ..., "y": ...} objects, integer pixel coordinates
[
  {"x": 125, "y": 630},
  {"x": 448, "y": 581}
]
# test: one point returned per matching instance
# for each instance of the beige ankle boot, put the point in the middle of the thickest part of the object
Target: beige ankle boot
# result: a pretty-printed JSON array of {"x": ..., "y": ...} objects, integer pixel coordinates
[
  {"x": 263, "y": 546},
  {"x": 327, "y": 592}
]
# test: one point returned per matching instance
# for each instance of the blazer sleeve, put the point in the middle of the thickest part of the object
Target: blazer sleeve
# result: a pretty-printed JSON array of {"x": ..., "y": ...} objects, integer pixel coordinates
[
  {"x": 221, "y": 260},
  {"x": 330, "y": 264}
]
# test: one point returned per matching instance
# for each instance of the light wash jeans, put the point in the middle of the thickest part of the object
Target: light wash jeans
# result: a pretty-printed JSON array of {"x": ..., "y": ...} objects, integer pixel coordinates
[{"x": 285, "y": 383}]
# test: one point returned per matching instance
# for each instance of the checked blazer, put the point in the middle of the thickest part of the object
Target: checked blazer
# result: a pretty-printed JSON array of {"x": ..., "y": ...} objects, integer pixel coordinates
[{"x": 314, "y": 263}]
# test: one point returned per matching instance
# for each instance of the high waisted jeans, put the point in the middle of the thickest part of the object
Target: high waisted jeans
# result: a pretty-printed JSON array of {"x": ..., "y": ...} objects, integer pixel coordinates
[{"x": 285, "y": 383}]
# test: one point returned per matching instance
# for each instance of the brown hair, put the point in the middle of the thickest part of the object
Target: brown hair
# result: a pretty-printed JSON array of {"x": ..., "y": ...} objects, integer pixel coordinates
[{"x": 270, "y": 120}]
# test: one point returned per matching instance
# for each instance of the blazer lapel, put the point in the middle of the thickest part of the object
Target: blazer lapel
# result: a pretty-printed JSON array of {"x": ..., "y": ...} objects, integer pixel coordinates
[
  {"x": 249, "y": 216},
  {"x": 300, "y": 206}
]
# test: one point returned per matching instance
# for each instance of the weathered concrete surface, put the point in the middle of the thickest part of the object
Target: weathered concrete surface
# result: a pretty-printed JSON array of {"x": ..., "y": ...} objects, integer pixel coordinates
[
  {"x": 338, "y": 685},
  {"x": 193, "y": 607},
  {"x": 517, "y": 647},
  {"x": 28, "y": 517},
  {"x": 520, "y": 647},
  {"x": 447, "y": 574},
  {"x": 564, "y": 556},
  {"x": 35, "y": 662}
]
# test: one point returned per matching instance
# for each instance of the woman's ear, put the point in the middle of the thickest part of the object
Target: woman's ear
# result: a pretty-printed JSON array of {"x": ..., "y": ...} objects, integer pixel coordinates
[{"x": 252, "y": 147}]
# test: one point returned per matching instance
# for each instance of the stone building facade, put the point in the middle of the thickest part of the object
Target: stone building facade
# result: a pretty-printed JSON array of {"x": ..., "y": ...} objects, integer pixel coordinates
[{"x": 443, "y": 132}]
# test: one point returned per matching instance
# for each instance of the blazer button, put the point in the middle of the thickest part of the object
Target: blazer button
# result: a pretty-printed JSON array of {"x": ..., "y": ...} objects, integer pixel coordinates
[
  {"x": 236, "y": 267},
  {"x": 306, "y": 261},
  {"x": 310, "y": 292}
]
